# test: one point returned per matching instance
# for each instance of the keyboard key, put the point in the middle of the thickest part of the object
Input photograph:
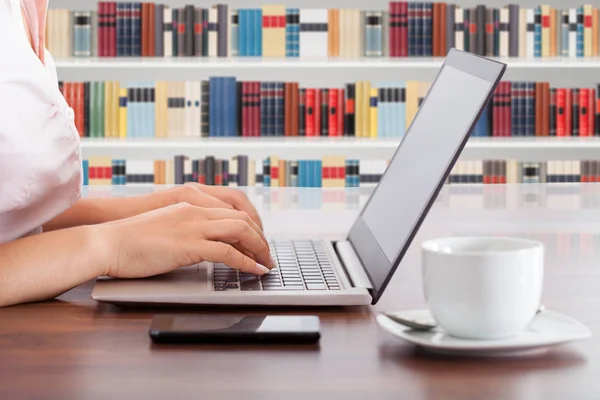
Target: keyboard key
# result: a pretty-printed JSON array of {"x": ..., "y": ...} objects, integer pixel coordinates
[
  {"x": 282, "y": 288},
  {"x": 232, "y": 286},
  {"x": 316, "y": 286},
  {"x": 250, "y": 285}
]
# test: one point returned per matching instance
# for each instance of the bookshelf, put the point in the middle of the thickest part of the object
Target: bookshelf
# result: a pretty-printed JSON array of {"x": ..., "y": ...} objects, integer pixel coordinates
[
  {"x": 521, "y": 149},
  {"x": 322, "y": 72}
]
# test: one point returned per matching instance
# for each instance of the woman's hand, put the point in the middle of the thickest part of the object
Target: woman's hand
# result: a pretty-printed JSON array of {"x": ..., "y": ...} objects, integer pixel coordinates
[
  {"x": 91, "y": 211},
  {"x": 212, "y": 197},
  {"x": 183, "y": 234}
]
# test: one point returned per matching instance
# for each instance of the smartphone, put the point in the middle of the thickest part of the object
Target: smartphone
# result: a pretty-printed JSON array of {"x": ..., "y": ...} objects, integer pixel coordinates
[{"x": 232, "y": 329}]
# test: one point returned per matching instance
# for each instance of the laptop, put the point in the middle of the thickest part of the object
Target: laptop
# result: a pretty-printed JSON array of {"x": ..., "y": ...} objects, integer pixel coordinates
[{"x": 356, "y": 269}]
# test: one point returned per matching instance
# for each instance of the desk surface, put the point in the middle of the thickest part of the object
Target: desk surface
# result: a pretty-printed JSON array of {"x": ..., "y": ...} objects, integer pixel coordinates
[{"x": 74, "y": 348}]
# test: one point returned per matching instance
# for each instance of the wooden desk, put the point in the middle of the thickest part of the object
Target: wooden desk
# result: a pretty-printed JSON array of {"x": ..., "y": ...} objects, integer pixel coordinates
[{"x": 74, "y": 348}]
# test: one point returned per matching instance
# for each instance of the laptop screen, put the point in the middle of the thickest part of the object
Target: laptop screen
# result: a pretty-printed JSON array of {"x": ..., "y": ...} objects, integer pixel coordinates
[{"x": 421, "y": 163}]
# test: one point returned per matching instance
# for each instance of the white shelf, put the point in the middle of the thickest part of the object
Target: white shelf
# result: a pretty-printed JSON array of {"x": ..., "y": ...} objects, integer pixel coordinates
[
  {"x": 523, "y": 149},
  {"x": 292, "y": 63}
]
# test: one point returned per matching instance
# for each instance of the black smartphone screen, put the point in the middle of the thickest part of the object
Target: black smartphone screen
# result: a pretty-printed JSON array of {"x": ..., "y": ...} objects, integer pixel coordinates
[{"x": 232, "y": 328}]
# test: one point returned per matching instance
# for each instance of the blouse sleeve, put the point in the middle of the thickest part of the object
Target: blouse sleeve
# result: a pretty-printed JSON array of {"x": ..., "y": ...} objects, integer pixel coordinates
[{"x": 40, "y": 165}]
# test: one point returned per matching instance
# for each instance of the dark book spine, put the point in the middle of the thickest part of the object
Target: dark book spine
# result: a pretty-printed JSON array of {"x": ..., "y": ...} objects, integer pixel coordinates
[
  {"x": 239, "y": 99},
  {"x": 575, "y": 113},
  {"x": 552, "y": 112},
  {"x": 175, "y": 23},
  {"x": 181, "y": 33},
  {"x": 489, "y": 32},
  {"x": 205, "y": 109},
  {"x": 427, "y": 29},
  {"x": 450, "y": 22},
  {"x": 190, "y": 16},
  {"x": 597, "y": 112},
  {"x": 205, "y": 32},
  {"x": 159, "y": 49},
  {"x": 243, "y": 170},
  {"x": 324, "y": 112},
  {"x": 302, "y": 112},
  {"x": 280, "y": 108},
  {"x": 264, "y": 109},
  {"x": 513, "y": 33},
  {"x": 198, "y": 32},
  {"x": 481, "y": 17},
  {"x": 86, "y": 109},
  {"x": 223, "y": 28},
  {"x": 349, "y": 110},
  {"x": 136, "y": 29},
  {"x": 209, "y": 170},
  {"x": 178, "y": 167}
]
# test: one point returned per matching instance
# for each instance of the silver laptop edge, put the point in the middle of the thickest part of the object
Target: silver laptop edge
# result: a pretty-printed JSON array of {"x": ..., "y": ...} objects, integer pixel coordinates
[{"x": 366, "y": 260}]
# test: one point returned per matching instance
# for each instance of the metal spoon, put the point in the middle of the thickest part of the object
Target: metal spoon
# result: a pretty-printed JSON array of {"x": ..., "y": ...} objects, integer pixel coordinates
[{"x": 426, "y": 325}]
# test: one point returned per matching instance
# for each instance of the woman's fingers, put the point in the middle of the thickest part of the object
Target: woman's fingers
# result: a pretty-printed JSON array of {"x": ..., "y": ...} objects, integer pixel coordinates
[
  {"x": 235, "y": 198},
  {"x": 234, "y": 231},
  {"x": 222, "y": 252},
  {"x": 192, "y": 194},
  {"x": 219, "y": 214}
]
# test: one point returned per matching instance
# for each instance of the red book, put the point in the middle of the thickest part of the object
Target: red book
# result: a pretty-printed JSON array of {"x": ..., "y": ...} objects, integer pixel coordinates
[
  {"x": 256, "y": 113},
  {"x": 501, "y": 176},
  {"x": 561, "y": 105},
  {"x": 317, "y": 112},
  {"x": 508, "y": 109},
  {"x": 394, "y": 28},
  {"x": 274, "y": 171},
  {"x": 592, "y": 111},
  {"x": 112, "y": 30},
  {"x": 245, "y": 124},
  {"x": 403, "y": 31},
  {"x": 568, "y": 111},
  {"x": 310, "y": 112},
  {"x": 102, "y": 31},
  {"x": 145, "y": 19},
  {"x": 584, "y": 103},
  {"x": 333, "y": 112},
  {"x": 340, "y": 111}
]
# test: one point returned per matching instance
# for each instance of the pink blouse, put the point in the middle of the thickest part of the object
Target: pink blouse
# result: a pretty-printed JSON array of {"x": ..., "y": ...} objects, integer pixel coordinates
[{"x": 40, "y": 160}]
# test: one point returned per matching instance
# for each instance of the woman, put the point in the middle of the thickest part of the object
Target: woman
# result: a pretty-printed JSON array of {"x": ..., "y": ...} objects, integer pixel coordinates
[{"x": 51, "y": 239}]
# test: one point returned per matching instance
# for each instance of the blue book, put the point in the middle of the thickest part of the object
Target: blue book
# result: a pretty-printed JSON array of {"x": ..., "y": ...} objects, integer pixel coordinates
[
  {"x": 264, "y": 109},
  {"x": 515, "y": 109},
  {"x": 427, "y": 29},
  {"x": 530, "y": 108},
  {"x": 301, "y": 173},
  {"x": 127, "y": 29},
  {"x": 242, "y": 34},
  {"x": 537, "y": 32},
  {"x": 258, "y": 32},
  {"x": 230, "y": 106},
  {"x": 267, "y": 172},
  {"x": 85, "y": 172},
  {"x": 292, "y": 32},
  {"x": 151, "y": 111},
  {"x": 82, "y": 33},
  {"x": 580, "y": 32},
  {"x": 373, "y": 34},
  {"x": 121, "y": 36},
  {"x": 318, "y": 173},
  {"x": 215, "y": 106},
  {"x": 412, "y": 28},
  {"x": 136, "y": 30},
  {"x": 131, "y": 111}
]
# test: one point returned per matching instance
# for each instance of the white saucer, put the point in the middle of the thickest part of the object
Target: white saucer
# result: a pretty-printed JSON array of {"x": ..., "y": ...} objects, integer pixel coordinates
[{"x": 547, "y": 329}]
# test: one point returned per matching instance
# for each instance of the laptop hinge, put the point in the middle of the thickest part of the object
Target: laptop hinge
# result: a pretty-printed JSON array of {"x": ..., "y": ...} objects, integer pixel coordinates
[{"x": 353, "y": 266}]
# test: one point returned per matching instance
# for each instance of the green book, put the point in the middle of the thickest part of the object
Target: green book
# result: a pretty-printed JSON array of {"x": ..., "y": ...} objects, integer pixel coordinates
[{"x": 100, "y": 115}]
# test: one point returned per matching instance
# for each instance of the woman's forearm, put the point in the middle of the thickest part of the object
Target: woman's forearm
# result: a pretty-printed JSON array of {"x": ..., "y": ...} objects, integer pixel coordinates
[
  {"x": 91, "y": 211},
  {"x": 41, "y": 267}
]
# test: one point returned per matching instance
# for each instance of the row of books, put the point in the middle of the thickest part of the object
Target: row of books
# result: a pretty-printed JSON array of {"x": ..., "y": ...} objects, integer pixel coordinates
[
  {"x": 226, "y": 107},
  {"x": 144, "y": 29},
  {"x": 332, "y": 171}
]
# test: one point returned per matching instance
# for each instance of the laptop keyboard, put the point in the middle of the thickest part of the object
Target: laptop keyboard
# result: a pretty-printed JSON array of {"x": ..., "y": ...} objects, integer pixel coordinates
[{"x": 301, "y": 265}]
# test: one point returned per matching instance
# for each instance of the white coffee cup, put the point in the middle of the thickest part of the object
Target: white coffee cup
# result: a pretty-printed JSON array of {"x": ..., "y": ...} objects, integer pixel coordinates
[{"x": 483, "y": 287}]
